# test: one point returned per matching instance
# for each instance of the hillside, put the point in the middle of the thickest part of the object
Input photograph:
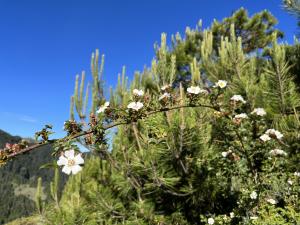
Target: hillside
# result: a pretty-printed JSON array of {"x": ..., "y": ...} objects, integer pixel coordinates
[{"x": 18, "y": 180}]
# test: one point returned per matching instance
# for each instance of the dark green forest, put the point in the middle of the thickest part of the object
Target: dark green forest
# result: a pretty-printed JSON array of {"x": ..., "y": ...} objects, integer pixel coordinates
[{"x": 19, "y": 180}]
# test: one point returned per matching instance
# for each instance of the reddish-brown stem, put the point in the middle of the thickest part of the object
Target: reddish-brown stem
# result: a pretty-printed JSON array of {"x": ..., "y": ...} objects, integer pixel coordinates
[{"x": 109, "y": 126}]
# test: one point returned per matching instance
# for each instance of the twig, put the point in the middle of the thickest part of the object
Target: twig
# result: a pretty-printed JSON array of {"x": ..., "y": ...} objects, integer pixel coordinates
[{"x": 107, "y": 127}]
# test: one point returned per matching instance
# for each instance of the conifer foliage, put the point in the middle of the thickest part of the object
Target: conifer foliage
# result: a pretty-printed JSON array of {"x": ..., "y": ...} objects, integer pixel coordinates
[{"x": 220, "y": 148}]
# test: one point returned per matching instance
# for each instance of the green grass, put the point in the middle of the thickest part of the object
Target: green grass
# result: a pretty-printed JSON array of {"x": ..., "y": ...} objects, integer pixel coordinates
[{"x": 32, "y": 220}]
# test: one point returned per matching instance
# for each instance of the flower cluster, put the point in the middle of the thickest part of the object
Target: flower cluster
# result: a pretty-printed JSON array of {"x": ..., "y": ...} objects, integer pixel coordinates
[
  {"x": 259, "y": 112},
  {"x": 166, "y": 96},
  {"x": 253, "y": 195},
  {"x": 239, "y": 117},
  {"x": 12, "y": 149},
  {"x": 196, "y": 90},
  {"x": 136, "y": 105},
  {"x": 274, "y": 134},
  {"x": 272, "y": 201},
  {"x": 237, "y": 98},
  {"x": 271, "y": 133},
  {"x": 138, "y": 93},
  {"x": 278, "y": 152}
]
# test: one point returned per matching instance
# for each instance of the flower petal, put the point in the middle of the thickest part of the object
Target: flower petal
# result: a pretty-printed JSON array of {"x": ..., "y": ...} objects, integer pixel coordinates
[
  {"x": 67, "y": 170},
  {"x": 78, "y": 159},
  {"x": 75, "y": 169},
  {"x": 62, "y": 161},
  {"x": 70, "y": 154}
]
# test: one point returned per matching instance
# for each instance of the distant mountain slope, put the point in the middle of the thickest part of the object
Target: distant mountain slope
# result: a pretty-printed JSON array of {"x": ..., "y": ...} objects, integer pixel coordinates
[{"x": 18, "y": 180}]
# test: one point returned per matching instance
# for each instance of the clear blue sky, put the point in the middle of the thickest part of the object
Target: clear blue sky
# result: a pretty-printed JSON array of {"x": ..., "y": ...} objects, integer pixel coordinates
[{"x": 43, "y": 44}]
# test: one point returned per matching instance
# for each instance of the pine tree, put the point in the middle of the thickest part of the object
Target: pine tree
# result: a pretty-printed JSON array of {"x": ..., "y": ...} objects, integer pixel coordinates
[
  {"x": 188, "y": 165},
  {"x": 256, "y": 32},
  {"x": 220, "y": 148},
  {"x": 293, "y": 7}
]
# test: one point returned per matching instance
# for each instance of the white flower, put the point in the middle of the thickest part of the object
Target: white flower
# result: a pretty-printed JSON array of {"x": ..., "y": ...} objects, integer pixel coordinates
[
  {"x": 194, "y": 90},
  {"x": 297, "y": 174},
  {"x": 238, "y": 98},
  {"x": 103, "y": 107},
  {"x": 221, "y": 84},
  {"x": 231, "y": 215},
  {"x": 253, "y": 195},
  {"x": 265, "y": 137},
  {"x": 278, "y": 152},
  {"x": 71, "y": 162},
  {"x": 165, "y": 95},
  {"x": 259, "y": 112},
  {"x": 271, "y": 201},
  {"x": 253, "y": 217},
  {"x": 138, "y": 92},
  {"x": 210, "y": 221},
  {"x": 241, "y": 116},
  {"x": 165, "y": 87},
  {"x": 290, "y": 182},
  {"x": 225, "y": 154},
  {"x": 275, "y": 133},
  {"x": 135, "y": 105}
]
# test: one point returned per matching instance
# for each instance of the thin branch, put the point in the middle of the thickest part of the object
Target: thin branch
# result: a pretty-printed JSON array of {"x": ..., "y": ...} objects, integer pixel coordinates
[{"x": 107, "y": 127}]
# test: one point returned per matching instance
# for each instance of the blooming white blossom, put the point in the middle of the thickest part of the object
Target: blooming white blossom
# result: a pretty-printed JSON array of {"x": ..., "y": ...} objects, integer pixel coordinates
[
  {"x": 253, "y": 195},
  {"x": 103, "y": 107},
  {"x": 275, "y": 133},
  {"x": 272, "y": 201},
  {"x": 241, "y": 116},
  {"x": 231, "y": 215},
  {"x": 165, "y": 95},
  {"x": 238, "y": 98},
  {"x": 259, "y": 112},
  {"x": 278, "y": 152},
  {"x": 135, "y": 105},
  {"x": 210, "y": 221},
  {"x": 253, "y": 217},
  {"x": 221, "y": 84},
  {"x": 70, "y": 162},
  {"x": 297, "y": 174},
  {"x": 265, "y": 137},
  {"x": 194, "y": 90},
  {"x": 138, "y": 92},
  {"x": 290, "y": 182}
]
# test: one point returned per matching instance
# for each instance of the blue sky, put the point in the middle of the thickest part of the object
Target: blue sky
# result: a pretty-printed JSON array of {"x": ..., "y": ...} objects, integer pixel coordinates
[{"x": 44, "y": 44}]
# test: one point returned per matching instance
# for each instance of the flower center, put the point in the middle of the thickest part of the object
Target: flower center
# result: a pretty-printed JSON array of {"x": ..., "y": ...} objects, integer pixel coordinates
[{"x": 71, "y": 162}]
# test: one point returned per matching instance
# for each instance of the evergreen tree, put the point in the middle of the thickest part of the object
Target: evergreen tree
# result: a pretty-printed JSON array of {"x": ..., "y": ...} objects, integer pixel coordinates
[
  {"x": 219, "y": 148},
  {"x": 256, "y": 32},
  {"x": 293, "y": 7},
  {"x": 196, "y": 165},
  {"x": 293, "y": 51}
]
